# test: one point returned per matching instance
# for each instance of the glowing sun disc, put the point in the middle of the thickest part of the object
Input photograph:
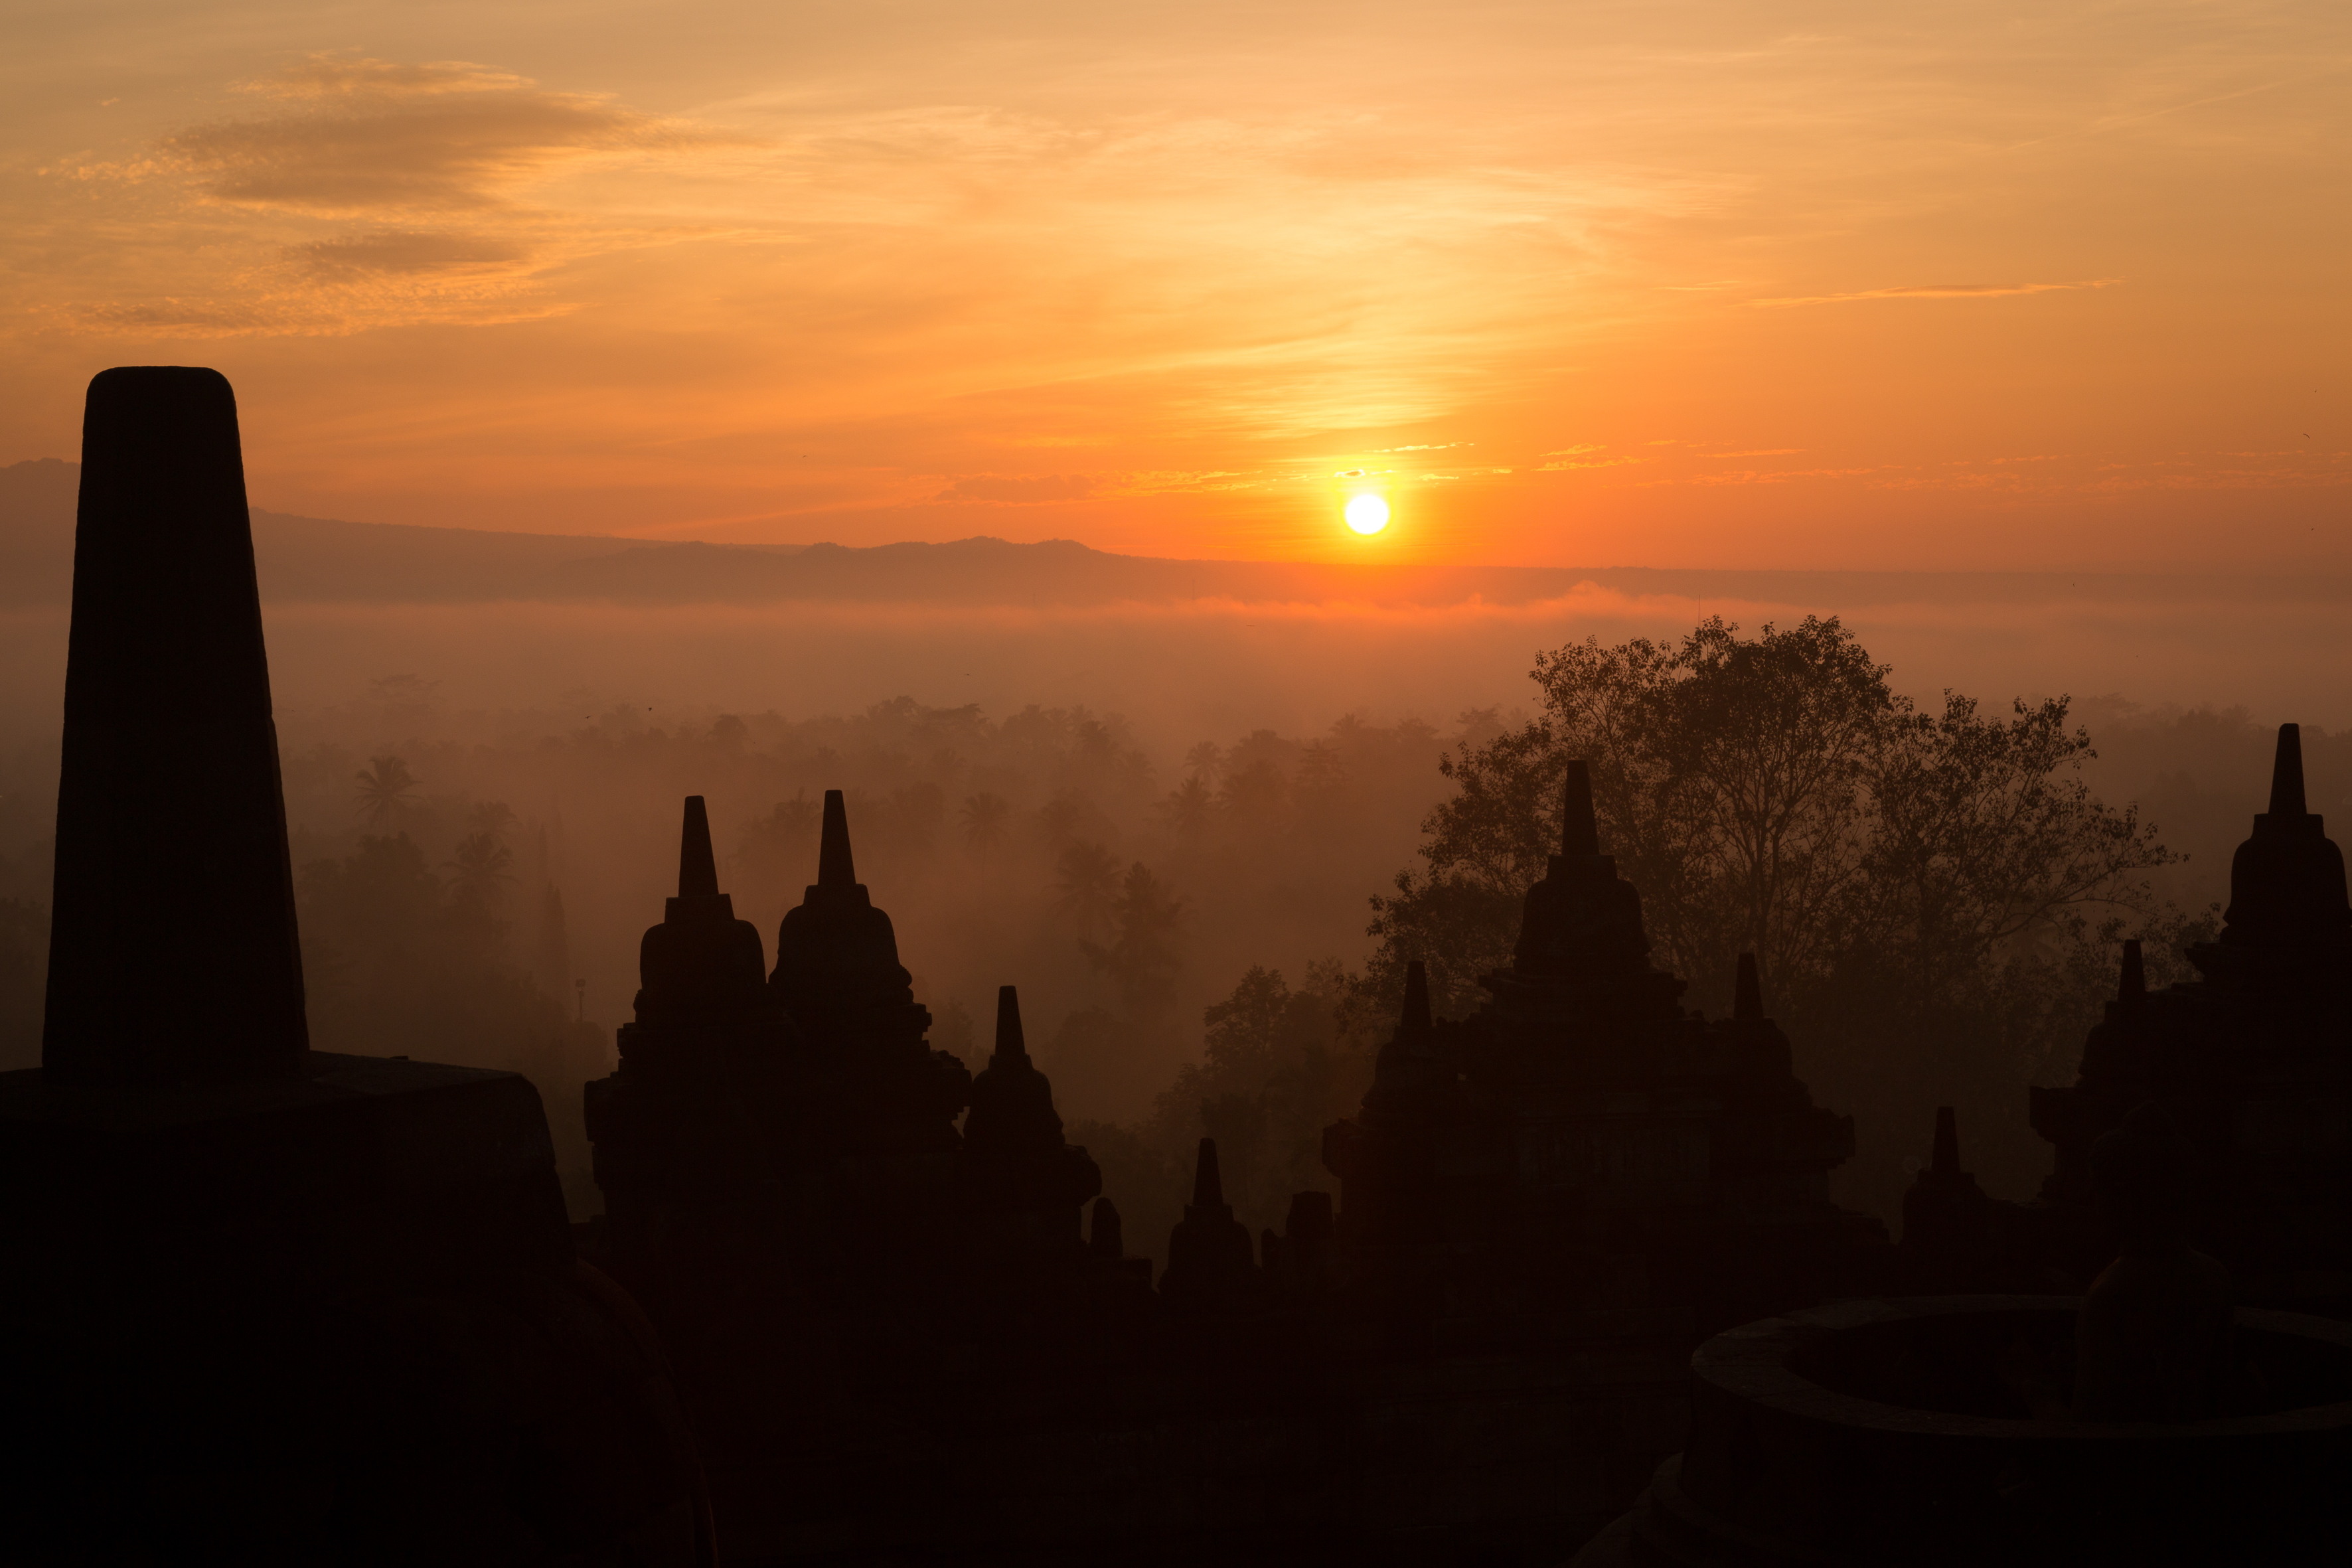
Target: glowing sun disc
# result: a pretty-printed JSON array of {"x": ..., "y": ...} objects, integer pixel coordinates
[{"x": 1367, "y": 514}]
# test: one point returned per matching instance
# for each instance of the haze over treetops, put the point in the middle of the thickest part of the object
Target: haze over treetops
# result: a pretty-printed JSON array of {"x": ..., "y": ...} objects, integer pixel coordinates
[{"x": 1824, "y": 285}]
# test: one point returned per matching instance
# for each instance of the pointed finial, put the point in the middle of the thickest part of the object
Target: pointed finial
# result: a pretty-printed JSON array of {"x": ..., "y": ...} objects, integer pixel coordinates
[
  {"x": 1208, "y": 1187},
  {"x": 1578, "y": 834},
  {"x": 1105, "y": 1238},
  {"x": 1416, "y": 997},
  {"x": 834, "y": 866},
  {"x": 2286, "y": 773},
  {"x": 1947, "y": 1142},
  {"x": 1747, "y": 993},
  {"x": 1010, "y": 1044},
  {"x": 698, "y": 867},
  {"x": 2133, "y": 989}
]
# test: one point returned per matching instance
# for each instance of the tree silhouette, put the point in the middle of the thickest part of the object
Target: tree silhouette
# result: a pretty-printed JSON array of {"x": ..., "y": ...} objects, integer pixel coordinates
[
  {"x": 1774, "y": 795},
  {"x": 1058, "y": 819},
  {"x": 494, "y": 817},
  {"x": 1085, "y": 884},
  {"x": 480, "y": 868},
  {"x": 1142, "y": 960},
  {"x": 778, "y": 851},
  {"x": 983, "y": 816},
  {"x": 1274, "y": 1072},
  {"x": 387, "y": 789},
  {"x": 1322, "y": 775},
  {"x": 1188, "y": 809},
  {"x": 1255, "y": 796},
  {"x": 912, "y": 820}
]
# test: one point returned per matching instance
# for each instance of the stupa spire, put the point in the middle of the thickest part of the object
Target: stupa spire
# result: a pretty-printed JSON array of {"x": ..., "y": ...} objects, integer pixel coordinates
[
  {"x": 2286, "y": 880},
  {"x": 1011, "y": 1046},
  {"x": 1579, "y": 834},
  {"x": 1211, "y": 1261},
  {"x": 2132, "y": 989},
  {"x": 1747, "y": 993},
  {"x": 1947, "y": 1159},
  {"x": 2287, "y": 774},
  {"x": 1208, "y": 1186},
  {"x": 698, "y": 867},
  {"x": 1416, "y": 997},
  {"x": 833, "y": 867},
  {"x": 1107, "y": 1237}
]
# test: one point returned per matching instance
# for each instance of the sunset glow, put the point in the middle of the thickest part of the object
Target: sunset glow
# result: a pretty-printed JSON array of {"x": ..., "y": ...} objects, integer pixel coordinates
[
  {"x": 1367, "y": 514},
  {"x": 1702, "y": 285}
]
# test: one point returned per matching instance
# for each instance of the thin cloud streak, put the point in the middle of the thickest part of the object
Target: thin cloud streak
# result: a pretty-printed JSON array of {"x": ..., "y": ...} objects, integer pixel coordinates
[{"x": 1943, "y": 291}]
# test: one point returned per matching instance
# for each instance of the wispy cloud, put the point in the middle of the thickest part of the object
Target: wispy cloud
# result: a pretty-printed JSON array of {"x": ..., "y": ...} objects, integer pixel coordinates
[
  {"x": 1942, "y": 291},
  {"x": 361, "y": 137},
  {"x": 1588, "y": 463},
  {"x": 405, "y": 251},
  {"x": 368, "y": 192},
  {"x": 1776, "y": 476},
  {"x": 1018, "y": 489}
]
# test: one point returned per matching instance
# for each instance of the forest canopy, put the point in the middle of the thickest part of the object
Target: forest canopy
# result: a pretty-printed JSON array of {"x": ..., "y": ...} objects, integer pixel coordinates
[{"x": 1932, "y": 896}]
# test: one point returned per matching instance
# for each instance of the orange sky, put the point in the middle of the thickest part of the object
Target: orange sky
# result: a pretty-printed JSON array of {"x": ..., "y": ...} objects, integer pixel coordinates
[{"x": 1706, "y": 284}]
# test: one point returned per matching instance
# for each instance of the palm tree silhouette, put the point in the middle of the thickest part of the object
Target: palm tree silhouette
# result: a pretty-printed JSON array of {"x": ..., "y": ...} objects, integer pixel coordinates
[
  {"x": 387, "y": 789},
  {"x": 1187, "y": 810},
  {"x": 482, "y": 865},
  {"x": 495, "y": 817},
  {"x": 984, "y": 819}
]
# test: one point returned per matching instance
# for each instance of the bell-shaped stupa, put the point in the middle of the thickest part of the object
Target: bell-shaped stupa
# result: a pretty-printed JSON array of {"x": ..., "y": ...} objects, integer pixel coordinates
[
  {"x": 1024, "y": 1185},
  {"x": 2252, "y": 1061}
]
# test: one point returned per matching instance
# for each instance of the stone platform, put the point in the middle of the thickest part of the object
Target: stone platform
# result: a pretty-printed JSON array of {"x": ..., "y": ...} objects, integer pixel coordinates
[
  {"x": 351, "y": 1174},
  {"x": 328, "y": 1317},
  {"x": 1882, "y": 1432}
]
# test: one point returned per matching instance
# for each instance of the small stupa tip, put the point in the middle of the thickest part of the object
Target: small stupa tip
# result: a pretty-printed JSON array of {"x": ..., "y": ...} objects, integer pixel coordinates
[
  {"x": 698, "y": 867},
  {"x": 1009, "y": 1044},
  {"x": 835, "y": 869},
  {"x": 2286, "y": 773},
  {"x": 1947, "y": 1142},
  {"x": 1747, "y": 993},
  {"x": 1208, "y": 1186},
  {"x": 1579, "y": 834},
  {"x": 1107, "y": 1237},
  {"x": 1416, "y": 997},
  {"x": 2133, "y": 987}
]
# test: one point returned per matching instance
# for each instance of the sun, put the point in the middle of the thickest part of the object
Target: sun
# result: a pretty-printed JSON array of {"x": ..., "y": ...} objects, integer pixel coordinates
[{"x": 1368, "y": 514}]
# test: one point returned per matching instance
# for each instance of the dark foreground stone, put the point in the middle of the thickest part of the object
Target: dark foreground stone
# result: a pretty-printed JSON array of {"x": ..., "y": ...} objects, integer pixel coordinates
[{"x": 1883, "y": 1432}]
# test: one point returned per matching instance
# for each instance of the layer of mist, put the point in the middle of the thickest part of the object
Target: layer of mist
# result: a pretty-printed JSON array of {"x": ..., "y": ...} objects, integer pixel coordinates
[{"x": 1020, "y": 728}]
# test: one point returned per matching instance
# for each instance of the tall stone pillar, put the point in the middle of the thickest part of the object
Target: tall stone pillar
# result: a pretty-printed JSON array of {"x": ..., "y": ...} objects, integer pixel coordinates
[
  {"x": 174, "y": 960},
  {"x": 277, "y": 1305}
]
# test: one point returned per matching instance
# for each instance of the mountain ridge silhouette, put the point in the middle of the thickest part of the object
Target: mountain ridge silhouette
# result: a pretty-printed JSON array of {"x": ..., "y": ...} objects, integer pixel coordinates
[{"x": 328, "y": 561}]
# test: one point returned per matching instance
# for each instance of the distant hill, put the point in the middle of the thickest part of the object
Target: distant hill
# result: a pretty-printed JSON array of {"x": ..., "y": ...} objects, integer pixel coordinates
[
  {"x": 321, "y": 560},
  {"x": 301, "y": 558}
]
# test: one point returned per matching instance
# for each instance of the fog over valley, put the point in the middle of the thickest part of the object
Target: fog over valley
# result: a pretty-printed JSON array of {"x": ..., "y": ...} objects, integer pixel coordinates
[{"x": 1126, "y": 785}]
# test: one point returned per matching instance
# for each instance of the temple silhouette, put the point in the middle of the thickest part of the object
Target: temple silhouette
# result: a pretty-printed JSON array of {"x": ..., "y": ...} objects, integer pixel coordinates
[
  {"x": 1577, "y": 1285},
  {"x": 2252, "y": 1058}
]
